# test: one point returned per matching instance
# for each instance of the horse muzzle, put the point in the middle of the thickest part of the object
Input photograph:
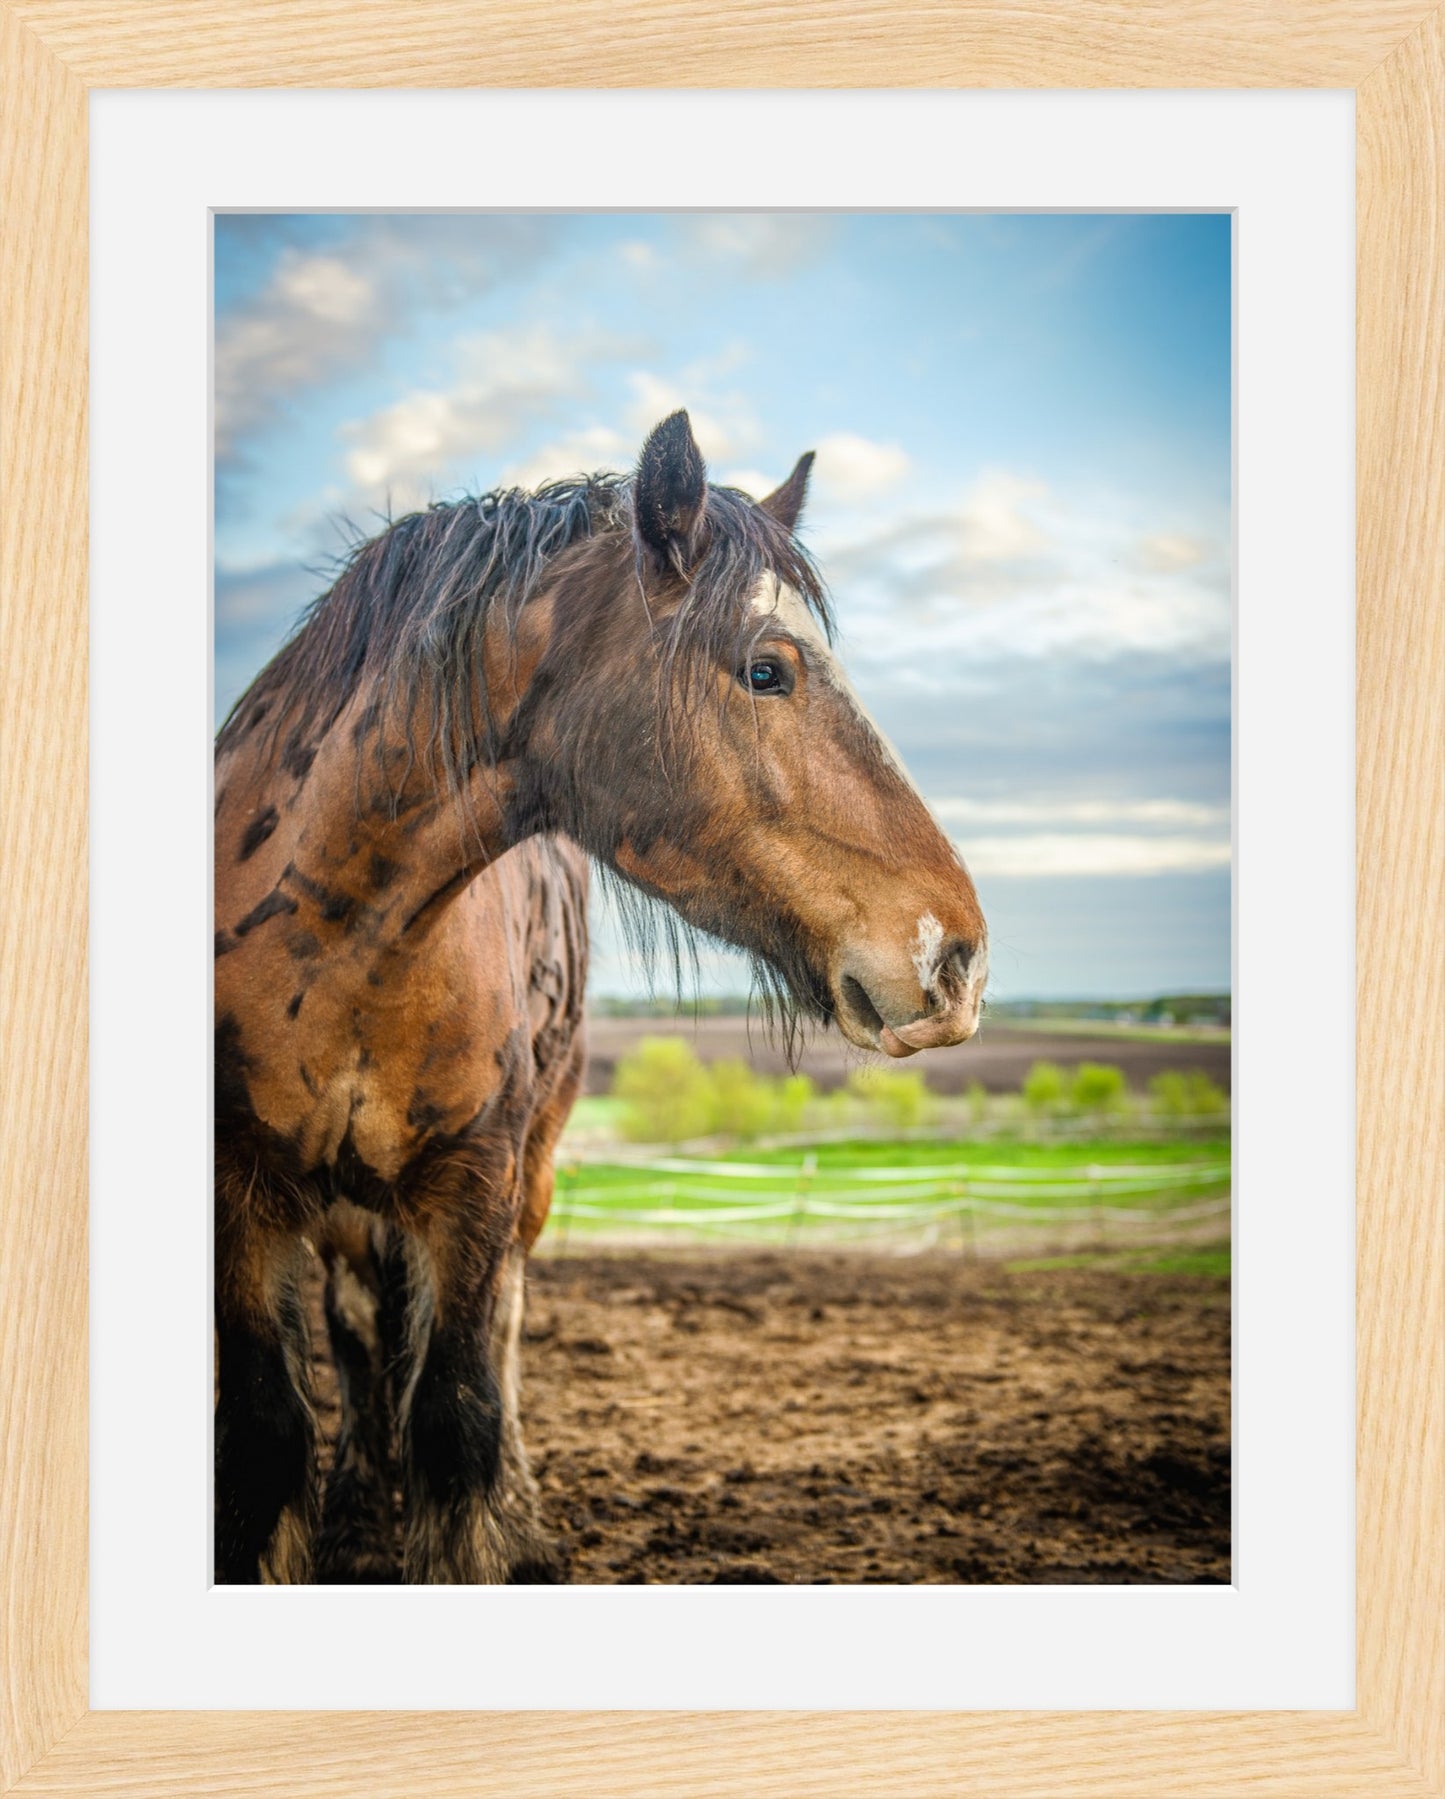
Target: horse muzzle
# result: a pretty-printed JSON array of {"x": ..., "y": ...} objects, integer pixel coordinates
[{"x": 935, "y": 1003}]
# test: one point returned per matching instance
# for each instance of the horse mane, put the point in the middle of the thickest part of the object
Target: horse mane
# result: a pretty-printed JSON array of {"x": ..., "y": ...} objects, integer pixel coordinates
[
  {"x": 406, "y": 617},
  {"x": 409, "y": 608}
]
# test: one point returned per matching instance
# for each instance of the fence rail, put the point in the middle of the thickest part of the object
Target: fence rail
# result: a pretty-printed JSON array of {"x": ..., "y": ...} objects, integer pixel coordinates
[
  {"x": 954, "y": 1171},
  {"x": 699, "y": 1196}
]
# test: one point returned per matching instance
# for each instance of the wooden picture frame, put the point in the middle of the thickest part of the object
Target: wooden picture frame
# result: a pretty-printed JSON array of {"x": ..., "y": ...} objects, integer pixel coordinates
[{"x": 1392, "y": 53}]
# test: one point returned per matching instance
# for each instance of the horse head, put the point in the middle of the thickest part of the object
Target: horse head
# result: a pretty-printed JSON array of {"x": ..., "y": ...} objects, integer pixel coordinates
[{"x": 689, "y": 722}]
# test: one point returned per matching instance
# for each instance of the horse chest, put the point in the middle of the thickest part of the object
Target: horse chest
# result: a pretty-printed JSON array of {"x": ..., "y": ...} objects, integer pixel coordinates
[
  {"x": 332, "y": 1117},
  {"x": 356, "y": 1109},
  {"x": 358, "y": 1054}
]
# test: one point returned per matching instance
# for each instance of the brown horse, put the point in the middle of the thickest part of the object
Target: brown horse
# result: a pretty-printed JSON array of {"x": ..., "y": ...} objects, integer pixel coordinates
[{"x": 642, "y": 664}]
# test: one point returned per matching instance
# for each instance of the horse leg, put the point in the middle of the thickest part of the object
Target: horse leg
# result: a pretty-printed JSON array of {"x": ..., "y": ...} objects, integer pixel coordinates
[
  {"x": 451, "y": 1419},
  {"x": 535, "y": 1557},
  {"x": 265, "y": 1419},
  {"x": 532, "y": 1555},
  {"x": 539, "y": 1173},
  {"x": 357, "y": 1541},
  {"x": 463, "y": 1523}
]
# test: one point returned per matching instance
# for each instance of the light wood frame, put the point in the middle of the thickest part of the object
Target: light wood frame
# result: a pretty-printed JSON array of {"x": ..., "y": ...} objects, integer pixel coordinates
[{"x": 1392, "y": 53}]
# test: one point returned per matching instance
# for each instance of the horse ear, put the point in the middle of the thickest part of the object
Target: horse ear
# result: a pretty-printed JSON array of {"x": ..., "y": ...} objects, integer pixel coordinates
[
  {"x": 671, "y": 489},
  {"x": 785, "y": 503}
]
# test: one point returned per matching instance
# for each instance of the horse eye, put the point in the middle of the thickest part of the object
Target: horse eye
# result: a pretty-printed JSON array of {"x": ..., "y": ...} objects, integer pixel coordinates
[{"x": 764, "y": 677}]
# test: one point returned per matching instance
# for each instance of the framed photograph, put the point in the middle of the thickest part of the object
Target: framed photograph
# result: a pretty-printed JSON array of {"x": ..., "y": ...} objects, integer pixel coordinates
[
  {"x": 828, "y": 752},
  {"x": 1077, "y": 359}
]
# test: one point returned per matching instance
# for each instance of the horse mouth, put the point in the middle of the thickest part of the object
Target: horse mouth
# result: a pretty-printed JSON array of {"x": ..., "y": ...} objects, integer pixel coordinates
[
  {"x": 863, "y": 1024},
  {"x": 950, "y": 1018},
  {"x": 855, "y": 1009}
]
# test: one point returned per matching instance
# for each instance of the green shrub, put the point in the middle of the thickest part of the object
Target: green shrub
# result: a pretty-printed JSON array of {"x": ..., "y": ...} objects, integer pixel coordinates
[
  {"x": 791, "y": 1098},
  {"x": 667, "y": 1092},
  {"x": 1043, "y": 1088},
  {"x": 900, "y": 1097},
  {"x": 977, "y": 1098},
  {"x": 1169, "y": 1091},
  {"x": 1097, "y": 1087},
  {"x": 1187, "y": 1094},
  {"x": 743, "y": 1105},
  {"x": 670, "y": 1096}
]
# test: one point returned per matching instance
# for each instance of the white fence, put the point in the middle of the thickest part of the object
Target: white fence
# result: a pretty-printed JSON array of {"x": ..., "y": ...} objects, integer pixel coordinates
[{"x": 682, "y": 1195}]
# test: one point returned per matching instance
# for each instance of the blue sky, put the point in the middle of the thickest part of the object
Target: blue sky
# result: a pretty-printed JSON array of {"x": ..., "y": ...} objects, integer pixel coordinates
[{"x": 1021, "y": 502}]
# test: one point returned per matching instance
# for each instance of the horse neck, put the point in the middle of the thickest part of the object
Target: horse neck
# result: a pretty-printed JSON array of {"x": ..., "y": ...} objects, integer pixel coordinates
[
  {"x": 362, "y": 806},
  {"x": 358, "y": 825}
]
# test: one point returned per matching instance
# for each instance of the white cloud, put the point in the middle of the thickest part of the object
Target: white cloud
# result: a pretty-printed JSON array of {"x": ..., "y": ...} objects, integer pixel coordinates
[
  {"x": 995, "y": 527},
  {"x": 1158, "y": 813},
  {"x": 724, "y": 425},
  {"x": 324, "y": 313},
  {"x": 1087, "y": 837},
  {"x": 853, "y": 468},
  {"x": 324, "y": 288},
  {"x": 416, "y": 433},
  {"x": 589, "y": 450},
  {"x": 1018, "y": 569},
  {"x": 312, "y": 319},
  {"x": 1169, "y": 550},
  {"x": 761, "y": 244},
  {"x": 507, "y": 384},
  {"x": 1051, "y": 614},
  {"x": 506, "y": 381},
  {"x": 982, "y": 546},
  {"x": 750, "y": 480},
  {"x": 1072, "y": 853}
]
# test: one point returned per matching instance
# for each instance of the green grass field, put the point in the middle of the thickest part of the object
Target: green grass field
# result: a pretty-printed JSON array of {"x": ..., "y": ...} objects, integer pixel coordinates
[
  {"x": 594, "y": 1113},
  {"x": 972, "y": 1194},
  {"x": 994, "y": 1152},
  {"x": 1205, "y": 1261}
]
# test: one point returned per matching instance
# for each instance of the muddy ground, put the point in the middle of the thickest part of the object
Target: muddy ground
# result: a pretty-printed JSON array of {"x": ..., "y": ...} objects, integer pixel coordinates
[
  {"x": 998, "y": 1058},
  {"x": 755, "y": 1416}
]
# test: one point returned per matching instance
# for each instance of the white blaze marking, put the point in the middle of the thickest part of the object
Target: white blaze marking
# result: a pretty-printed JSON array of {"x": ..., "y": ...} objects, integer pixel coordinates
[
  {"x": 774, "y": 600},
  {"x": 925, "y": 954}
]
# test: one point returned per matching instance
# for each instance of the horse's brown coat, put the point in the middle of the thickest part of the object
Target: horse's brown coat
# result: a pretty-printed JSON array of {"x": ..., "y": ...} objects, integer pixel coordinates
[
  {"x": 413, "y": 1053},
  {"x": 401, "y": 936}
]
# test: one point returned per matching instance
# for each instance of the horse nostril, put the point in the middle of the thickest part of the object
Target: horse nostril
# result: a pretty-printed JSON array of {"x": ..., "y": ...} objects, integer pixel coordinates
[
  {"x": 960, "y": 953},
  {"x": 861, "y": 1006},
  {"x": 956, "y": 960}
]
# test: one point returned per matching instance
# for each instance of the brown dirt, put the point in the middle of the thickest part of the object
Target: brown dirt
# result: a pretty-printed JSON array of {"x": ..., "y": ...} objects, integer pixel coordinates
[
  {"x": 804, "y": 1417},
  {"x": 765, "y": 1417},
  {"x": 998, "y": 1058}
]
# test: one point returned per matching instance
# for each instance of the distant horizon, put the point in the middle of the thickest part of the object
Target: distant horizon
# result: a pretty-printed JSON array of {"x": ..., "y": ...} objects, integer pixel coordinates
[{"x": 1154, "y": 998}]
